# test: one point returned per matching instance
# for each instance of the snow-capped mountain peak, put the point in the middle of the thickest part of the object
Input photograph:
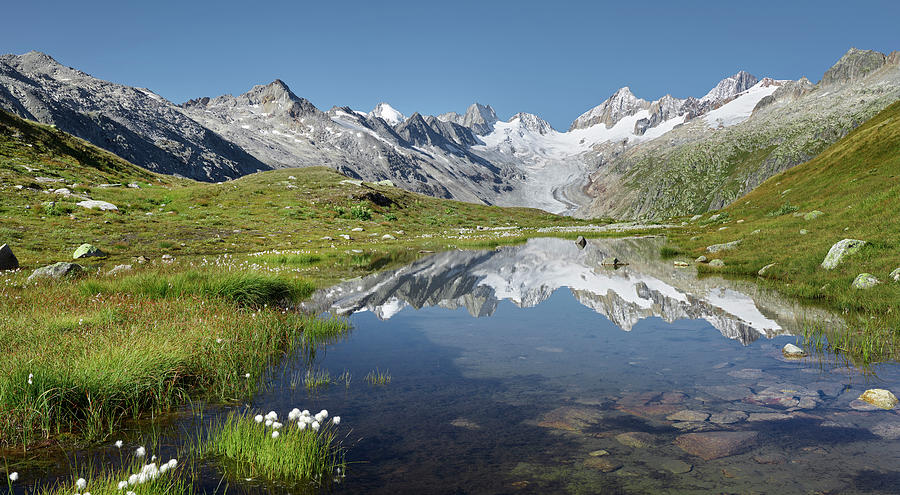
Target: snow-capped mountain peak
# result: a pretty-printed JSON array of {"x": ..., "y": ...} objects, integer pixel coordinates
[
  {"x": 621, "y": 104},
  {"x": 531, "y": 122},
  {"x": 387, "y": 113},
  {"x": 730, "y": 87}
]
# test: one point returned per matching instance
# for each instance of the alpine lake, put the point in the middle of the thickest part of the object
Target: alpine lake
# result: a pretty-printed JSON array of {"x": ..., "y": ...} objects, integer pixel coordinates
[{"x": 537, "y": 369}]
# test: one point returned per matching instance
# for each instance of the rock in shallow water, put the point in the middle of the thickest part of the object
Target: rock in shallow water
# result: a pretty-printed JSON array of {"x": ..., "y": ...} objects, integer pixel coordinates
[
  {"x": 879, "y": 397},
  {"x": 603, "y": 464},
  {"x": 676, "y": 466},
  {"x": 716, "y": 444},
  {"x": 636, "y": 439},
  {"x": 792, "y": 351},
  {"x": 688, "y": 415},
  {"x": 889, "y": 430}
]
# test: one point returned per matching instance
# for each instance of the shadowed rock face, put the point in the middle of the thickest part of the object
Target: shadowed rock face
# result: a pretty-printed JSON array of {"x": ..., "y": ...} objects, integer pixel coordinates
[
  {"x": 133, "y": 123},
  {"x": 529, "y": 274}
]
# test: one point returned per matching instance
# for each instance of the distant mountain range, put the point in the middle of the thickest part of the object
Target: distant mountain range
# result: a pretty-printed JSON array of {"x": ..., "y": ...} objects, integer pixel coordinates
[{"x": 626, "y": 157}]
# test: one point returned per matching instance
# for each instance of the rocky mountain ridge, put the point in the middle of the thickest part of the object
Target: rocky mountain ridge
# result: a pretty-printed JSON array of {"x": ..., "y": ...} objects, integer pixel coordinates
[{"x": 622, "y": 157}]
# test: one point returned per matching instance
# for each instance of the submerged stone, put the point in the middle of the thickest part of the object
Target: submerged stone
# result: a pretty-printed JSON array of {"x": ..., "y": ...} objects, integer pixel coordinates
[
  {"x": 840, "y": 250},
  {"x": 728, "y": 417},
  {"x": 581, "y": 242},
  {"x": 879, "y": 397},
  {"x": 570, "y": 418},
  {"x": 636, "y": 439},
  {"x": 888, "y": 430},
  {"x": 688, "y": 416},
  {"x": 603, "y": 464},
  {"x": 676, "y": 466},
  {"x": 716, "y": 444}
]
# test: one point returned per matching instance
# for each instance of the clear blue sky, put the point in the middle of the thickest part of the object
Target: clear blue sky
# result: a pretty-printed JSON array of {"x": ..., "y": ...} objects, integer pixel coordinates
[{"x": 553, "y": 58}]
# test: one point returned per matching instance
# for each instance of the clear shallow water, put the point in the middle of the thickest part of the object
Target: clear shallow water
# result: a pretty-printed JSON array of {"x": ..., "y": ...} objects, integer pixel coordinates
[{"x": 521, "y": 362}]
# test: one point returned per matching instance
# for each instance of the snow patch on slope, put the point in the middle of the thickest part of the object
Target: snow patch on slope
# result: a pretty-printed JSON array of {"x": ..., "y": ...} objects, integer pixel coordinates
[{"x": 739, "y": 109}]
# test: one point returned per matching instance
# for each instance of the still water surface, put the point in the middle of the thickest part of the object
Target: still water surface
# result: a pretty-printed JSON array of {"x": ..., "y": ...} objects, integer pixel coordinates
[{"x": 511, "y": 367}]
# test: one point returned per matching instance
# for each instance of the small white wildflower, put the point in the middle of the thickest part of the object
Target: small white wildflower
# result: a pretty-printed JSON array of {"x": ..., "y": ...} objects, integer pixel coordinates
[
  {"x": 277, "y": 425},
  {"x": 172, "y": 463},
  {"x": 218, "y": 341},
  {"x": 130, "y": 493},
  {"x": 272, "y": 415},
  {"x": 324, "y": 413},
  {"x": 275, "y": 434},
  {"x": 13, "y": 476},
  {"x": 81, "y": 484},
  {"x": 132, "y": 480},
  {"x": 336, "y": 420},
  {"x": 118, "y": 444},
  {"x": 269, "y": 422},
  {"x": 140, "y": 452},
  {"x": 258, "y": 418},
  {"x": 152, "y": 458},
  {"x": 87, "y": 493},
  {"x": 163, "y": 469},
  {"x": 301, "y": 425},
  {"x": 294, "y": 414},
  {"x": 30, "y": 378},
  {"x": 123, "y": 485},
  {"x": 247, "y": 375},
  {"x": 315, "y": 426}
]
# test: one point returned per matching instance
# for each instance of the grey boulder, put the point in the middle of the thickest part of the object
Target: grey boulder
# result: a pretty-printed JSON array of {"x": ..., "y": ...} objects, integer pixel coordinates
[
  {"x": 57, "y": 271},
  {"x": 840, "y": 250}
]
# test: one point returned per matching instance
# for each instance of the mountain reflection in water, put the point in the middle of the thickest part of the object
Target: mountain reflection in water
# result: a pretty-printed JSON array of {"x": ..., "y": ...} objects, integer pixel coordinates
[{"x": 528, "y": 274}]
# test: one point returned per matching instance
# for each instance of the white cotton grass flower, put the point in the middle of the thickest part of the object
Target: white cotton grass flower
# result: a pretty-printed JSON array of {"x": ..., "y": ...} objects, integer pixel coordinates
[
  {"x": 140, "y": 452},
  {"x": 13, "y": 477},
  {"x": 301, "y": 425},
  {"x": 315, "y": 426},
  {"x": 247, "y": 375},
  {"x": 123, "y": 485},
  {"x": 324, "y": 413},
  {"x": 87, "y": 493},
  {"x": 277, "y": 425},
  {"x": 152, "y": 458},
  {"x": 275, "y": 434},
  {"x": 272, "y": 415},
  {"x": 81, "y": 484},
  {"x": 259, "y": 418},
  {"x": 130, "y": 493},
  {"x": 173, "y": 463},
  {"x": 118, "y": 444},
  {"x": 294, "y": 414},
  {"x": 269, "y": 422},
  {"x": 336, "y": 420},
  {"x": 30, "y": 378},
  {"x": 133, "y": 480}
]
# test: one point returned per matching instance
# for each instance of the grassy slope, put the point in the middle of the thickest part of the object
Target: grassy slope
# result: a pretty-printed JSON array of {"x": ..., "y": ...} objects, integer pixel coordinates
[
  {"x": 104, "y": 348},
  {"x": 856, "y": 183}
]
